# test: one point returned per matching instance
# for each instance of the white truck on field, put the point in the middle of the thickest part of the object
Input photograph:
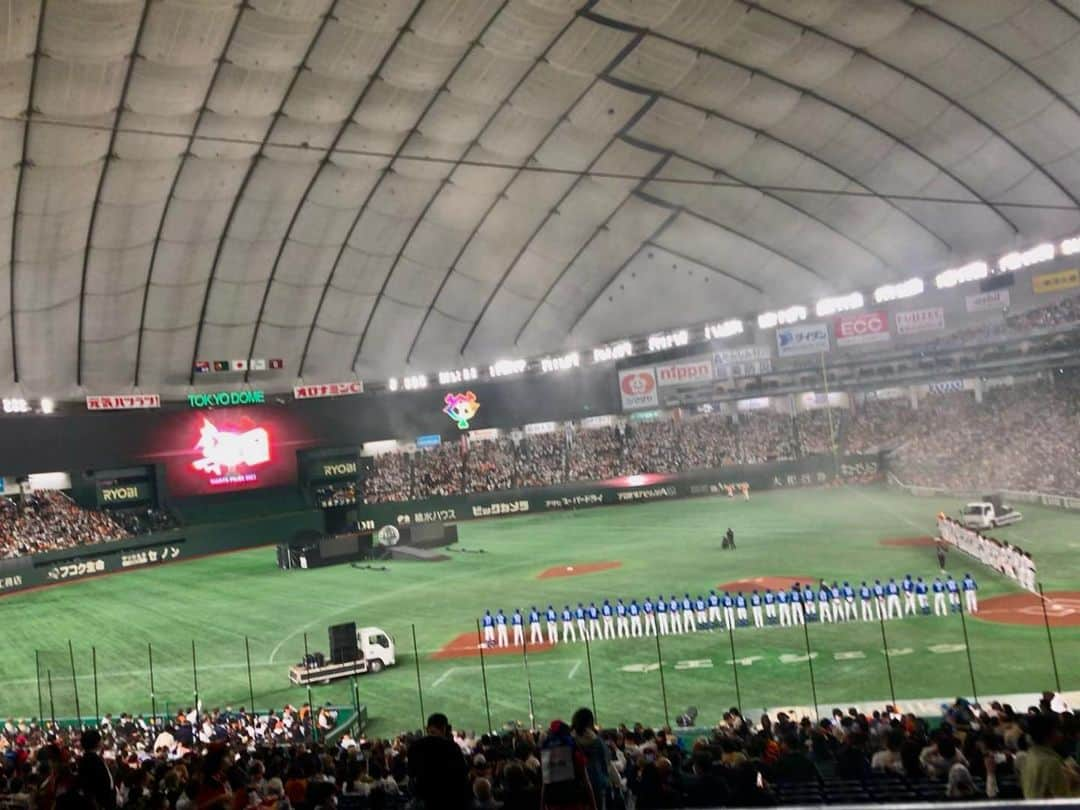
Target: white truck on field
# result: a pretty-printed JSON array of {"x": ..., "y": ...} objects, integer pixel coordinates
[
  {"x": 375, "y": 650},
  {"x": 989, "y": 513}
]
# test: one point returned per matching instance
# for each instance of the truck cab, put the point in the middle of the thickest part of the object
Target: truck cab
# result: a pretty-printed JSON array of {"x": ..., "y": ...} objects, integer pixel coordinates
[
  {"x": 376, "y": 648},
  {"x": 988, "y": 514}
]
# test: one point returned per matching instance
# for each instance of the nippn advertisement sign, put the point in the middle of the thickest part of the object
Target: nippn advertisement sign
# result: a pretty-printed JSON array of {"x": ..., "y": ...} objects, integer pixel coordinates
[
  {"x": 687, "y": 372},
  {"x": 638, "y": 389},
  {"x": 862, "y": 327}
]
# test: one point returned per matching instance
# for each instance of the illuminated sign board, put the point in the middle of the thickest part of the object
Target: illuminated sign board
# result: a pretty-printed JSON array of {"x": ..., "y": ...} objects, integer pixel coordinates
[
  {"x": 429, "y": 440},
  {"x": 221, "y": 399},
  {"x": 461, "y": 408}
]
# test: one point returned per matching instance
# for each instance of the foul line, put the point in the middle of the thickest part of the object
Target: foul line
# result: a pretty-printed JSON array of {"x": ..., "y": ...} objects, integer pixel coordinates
[
  {"x": 573, "y": 670},
  {"x": 444, "y": 676}
]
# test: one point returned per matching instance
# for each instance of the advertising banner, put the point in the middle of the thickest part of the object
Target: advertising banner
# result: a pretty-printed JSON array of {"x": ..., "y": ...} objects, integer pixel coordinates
[
  {"x": 124, "y": 493},
  {"x": 916, "y": 321},
  {"x": 1056, "y": 282},
  {"x": 861, "y": 327},
  {"x": 987, "y": 301},
  {"x": 123, "y": 402},
  {"x": 638, "y": 389},
  {"x": 322, "y": 390},
  {"x": 945, "y": 386},
  {"x": 744, "y": 361},
  {"x": 333, "y": 469},
  {"x": 685, "y": 372},
  {"x": 802, "y": 338}
]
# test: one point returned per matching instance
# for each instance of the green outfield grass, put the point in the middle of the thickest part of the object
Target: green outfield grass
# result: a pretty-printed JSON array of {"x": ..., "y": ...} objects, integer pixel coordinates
[{"x": 669, "y": 547}]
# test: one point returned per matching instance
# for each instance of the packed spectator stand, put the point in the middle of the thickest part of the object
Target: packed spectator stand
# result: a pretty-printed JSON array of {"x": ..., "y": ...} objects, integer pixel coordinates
[{"x": 226, "y": 758}]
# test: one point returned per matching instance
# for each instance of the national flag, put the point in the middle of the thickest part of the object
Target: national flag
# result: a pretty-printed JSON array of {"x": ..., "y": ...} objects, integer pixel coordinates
[
  {"x": 277, "y": 362},
  {"x": 221, "y": 365},
  {"x": 239, "y": 365},
  {"x": 257, "y": 364},
  {"x": 202, "y": 366}
]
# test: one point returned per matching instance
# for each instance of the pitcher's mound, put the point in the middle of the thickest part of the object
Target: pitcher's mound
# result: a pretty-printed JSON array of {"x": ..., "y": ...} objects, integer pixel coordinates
[
  {"x": 906, "y": 542},
  {"x": 467, "y": 645},
  {"x": 577, "y": 569},
  {"x": 1062, "y": 609}
]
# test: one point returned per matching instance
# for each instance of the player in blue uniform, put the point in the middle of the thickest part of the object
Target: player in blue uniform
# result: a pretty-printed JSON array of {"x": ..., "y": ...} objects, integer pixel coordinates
[
  {"x": 609, "y": 619},
  {"x": 647, "y": 609},
  {"x": 892, "y": 599},
  {"x": 954, "y": 593},
  {"x": 568, "y": 633},
  {"x": 500, "y": 627},
  {"x": 621, "y": 621},
  {"x": 908, "y": 587},
  {"x": 729, "y": 610},
  {"x": 971, "y": 601},
  {"x": 938, "y": 588},
  {"x": 536, "y": 632},
  {"x": 489, "y": 628},
  {"x": 850, "y": 613},
  {"x": 714, "y": 609},
  {"x": 866, "y": 602},
  {"x": 783, "y": 607},
  {"x": 809, "y": 605},
  {"x": 770, "y": 606},
  {"x": 661, "y": 614},
  {"x": 518, "y": 621},
  {"x": 699, "y": 611},
  {"x": 594, "y": 622},
  {"x": 634, "y": 611},
  {"x": 879, "y": 599},
  {"x": 675, "y": 616},
  {"x": 836, "y": 598},
  {"x": 795, "y": 598},
  {"x": 824, "y": 611},
  {"x": 920, "y": 596},
  {"x": 688, "y": 614},
  {"x": 579, "y": 620},
  {"x": 740, "y": 610},
  {"x": 552, "y": 625},
  {"x": 755, "y": 608}
]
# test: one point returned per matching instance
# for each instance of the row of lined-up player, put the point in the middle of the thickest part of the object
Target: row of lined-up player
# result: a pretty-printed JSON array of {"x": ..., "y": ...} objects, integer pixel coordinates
[{"x": 784, "y": 607}]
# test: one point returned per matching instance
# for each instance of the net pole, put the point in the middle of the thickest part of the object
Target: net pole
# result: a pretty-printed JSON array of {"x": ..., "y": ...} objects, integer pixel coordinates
[
  {"x": 967, "y": 653},
  {"x": 419, "y": 684},
  {"x": 310, "y": 702},
  {"x": 483, "y": 675},
  {"x": 52, "y": 704},
  {"x": 251, "y": 685},
  {"x": 888, "y": 662},
  {"x": 735, "y": 669},
  {"x": 153, "y": 697},
  {"x": 1049, "y": 639},
  {"x": 810, "y": 666},
  {"x": 195, "y": 677},
  {"x": 37, "y": 672},
  {"x": 93, "y": 665},
  {"x": 592, "y": 685},
  {"x": 528, "y": 681},
  {"x": 663, "y": 683},
  {"x": 74, "y": 684}
]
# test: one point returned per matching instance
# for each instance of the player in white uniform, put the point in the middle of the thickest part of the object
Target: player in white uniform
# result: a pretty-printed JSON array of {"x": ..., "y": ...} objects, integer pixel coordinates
[
  {"x": 500, "y": 627},
  {"x": 552, "y": 625},
  {"x": 536, "y": 632}
]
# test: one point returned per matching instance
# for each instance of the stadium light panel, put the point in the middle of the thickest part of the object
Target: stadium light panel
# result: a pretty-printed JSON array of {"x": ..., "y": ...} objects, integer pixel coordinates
[
  {"x": 392, "y": 384},
  {"x": 725, "y": 329},
  {"x": 613, "y": 351},
  {"x": 415, "y": 382},
  {"x": 903, "y": 289},
  {"x": 560, "y": 363},
  {"x": 782, "y": 317},
  {"x": 504, "y": 368},
  {"x": 458, "y": 375},
  {"x": 1070, "y": 246},
  {"x": 839, "y": 303},
  {"x": 1025, "y": 258},
  {"x": 961, "y": 275},
  {"x": 16, "y": 405},
  {"x": 47, "y": 405},
  {"x": 668, "y": 340}
]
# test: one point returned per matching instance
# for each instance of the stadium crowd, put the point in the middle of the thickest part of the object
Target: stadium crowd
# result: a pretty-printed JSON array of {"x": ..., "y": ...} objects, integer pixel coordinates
[
  {"x": 48, "y": 520},
  {"x": 226, "y": 759}
]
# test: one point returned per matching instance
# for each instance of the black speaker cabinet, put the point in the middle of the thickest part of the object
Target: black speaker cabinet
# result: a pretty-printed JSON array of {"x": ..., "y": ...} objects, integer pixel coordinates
[{"x": 343, "y": 642}]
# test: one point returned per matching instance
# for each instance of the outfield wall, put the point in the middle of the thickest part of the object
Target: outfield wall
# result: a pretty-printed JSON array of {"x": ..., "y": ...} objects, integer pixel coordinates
[
  {"x": 1011, "y": 495},
  {"x": 195, "y": 540}
]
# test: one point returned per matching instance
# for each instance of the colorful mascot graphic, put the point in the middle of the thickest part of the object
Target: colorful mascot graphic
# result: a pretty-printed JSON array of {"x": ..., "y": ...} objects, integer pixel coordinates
[
  {"x": 461, "y": 408},
  {"x": 229, "y": 452}
]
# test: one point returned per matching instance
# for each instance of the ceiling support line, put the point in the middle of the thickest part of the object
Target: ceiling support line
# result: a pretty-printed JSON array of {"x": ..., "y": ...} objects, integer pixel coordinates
[
  {"x": 603, "y": 226},
  {"x": 184, "y": 156},
  {"x": 447, "y": 180},
  {"x": 109, "y": 158},
  {"x": 657, "y": 232},
  {"x": 701, "y": 263},
  {"x": 256, "y": 159},
  {"x": 885, "y": 198},
  {"x": 455, "y": 166},
  {"x": 767, "y": 193},
  {"x": 1062, "y": 187},
  {"x": 386, "y": 172},
  {"x": 602, "y": 19},
  {"x": 326, "y": 158},
  {"x": 736, "y": 232},
  {"x": 1061, "y": 98},
  {"x": 23, "y": 166}
]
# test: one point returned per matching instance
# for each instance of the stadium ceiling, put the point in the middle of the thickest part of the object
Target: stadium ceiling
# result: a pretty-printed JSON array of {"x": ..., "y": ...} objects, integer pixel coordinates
[{"x": 373, "y": 186}]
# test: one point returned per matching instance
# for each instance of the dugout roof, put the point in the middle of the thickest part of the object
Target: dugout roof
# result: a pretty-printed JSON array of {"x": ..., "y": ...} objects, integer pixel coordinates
[{"x": 379, "y": 185}]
